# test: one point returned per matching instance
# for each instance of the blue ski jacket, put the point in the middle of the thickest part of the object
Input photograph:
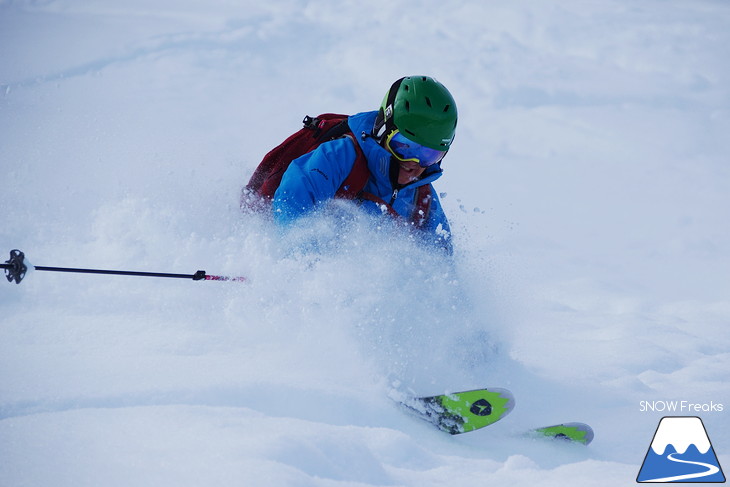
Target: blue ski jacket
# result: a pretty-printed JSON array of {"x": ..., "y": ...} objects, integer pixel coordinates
[{"x": 315, "y": 177}]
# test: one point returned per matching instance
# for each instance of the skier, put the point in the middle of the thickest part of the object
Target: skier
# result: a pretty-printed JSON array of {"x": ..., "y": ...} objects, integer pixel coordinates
[{"x": 403, "y": 142}]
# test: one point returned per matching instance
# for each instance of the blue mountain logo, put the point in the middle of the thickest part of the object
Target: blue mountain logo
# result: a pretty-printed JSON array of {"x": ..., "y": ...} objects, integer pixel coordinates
[{"x": 680, "y": 452}]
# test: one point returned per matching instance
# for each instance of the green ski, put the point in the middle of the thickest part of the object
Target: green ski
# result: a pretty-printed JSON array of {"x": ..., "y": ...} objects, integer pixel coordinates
[
  {"x": 461, "y": 412},
  {"x": 572, "y": 432}
]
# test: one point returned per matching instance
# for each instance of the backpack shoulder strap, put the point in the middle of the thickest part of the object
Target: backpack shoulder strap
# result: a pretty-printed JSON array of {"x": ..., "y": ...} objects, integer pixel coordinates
[
  {"x": 354, "y": 183},
  {"x": 423, "y": 205},
  {"x": 359, "y": 175}
]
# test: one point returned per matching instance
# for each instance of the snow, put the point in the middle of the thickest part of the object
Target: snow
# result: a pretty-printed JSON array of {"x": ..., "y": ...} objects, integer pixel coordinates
[{"x": 587, "y": 190}]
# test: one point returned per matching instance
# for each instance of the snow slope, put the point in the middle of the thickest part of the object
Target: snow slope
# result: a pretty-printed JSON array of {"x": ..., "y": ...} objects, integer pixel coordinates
[{"x": 587, "y": 188}]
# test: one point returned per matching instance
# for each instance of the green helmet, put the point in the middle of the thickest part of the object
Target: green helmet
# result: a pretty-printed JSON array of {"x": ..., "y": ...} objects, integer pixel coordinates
[{"x": 422, "y": 109}]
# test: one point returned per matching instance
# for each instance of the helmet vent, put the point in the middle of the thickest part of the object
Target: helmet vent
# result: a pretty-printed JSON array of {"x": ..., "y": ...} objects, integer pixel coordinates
[
  {"x": 428, "y": 102},
  {"x": 408, "y": 106},
  {"x": 411, "y": 133},
  {"x": 446, "y": 108}
]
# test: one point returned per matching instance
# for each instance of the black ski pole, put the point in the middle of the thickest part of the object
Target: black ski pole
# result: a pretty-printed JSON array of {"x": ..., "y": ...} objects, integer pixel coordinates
[{"x": 16, "y": 268}]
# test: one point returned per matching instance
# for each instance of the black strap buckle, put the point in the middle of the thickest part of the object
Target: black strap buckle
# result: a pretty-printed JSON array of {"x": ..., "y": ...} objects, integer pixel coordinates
[{"x": 311, "y": 123}]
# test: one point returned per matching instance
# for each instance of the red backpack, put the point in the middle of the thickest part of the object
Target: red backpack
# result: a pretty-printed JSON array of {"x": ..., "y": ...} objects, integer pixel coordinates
[
  {"x": 266, "y": 178},
  {"x": 329, "y": 126}
]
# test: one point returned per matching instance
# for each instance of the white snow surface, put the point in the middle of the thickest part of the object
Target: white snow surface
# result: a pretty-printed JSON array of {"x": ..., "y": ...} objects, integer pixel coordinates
[{"x": 588, "y": 190}]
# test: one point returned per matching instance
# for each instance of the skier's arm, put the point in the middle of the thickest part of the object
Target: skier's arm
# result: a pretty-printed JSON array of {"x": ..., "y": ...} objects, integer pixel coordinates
[{"x": 313, "y": 179}]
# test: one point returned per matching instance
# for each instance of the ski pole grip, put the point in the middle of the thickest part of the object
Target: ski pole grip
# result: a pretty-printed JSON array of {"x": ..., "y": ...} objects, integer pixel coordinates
[{"x": 199, "y": 276}]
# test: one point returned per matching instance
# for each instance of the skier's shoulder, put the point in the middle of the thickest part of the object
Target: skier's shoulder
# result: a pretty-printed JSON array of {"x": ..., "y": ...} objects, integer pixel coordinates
[{"x": 362, "y": 122}]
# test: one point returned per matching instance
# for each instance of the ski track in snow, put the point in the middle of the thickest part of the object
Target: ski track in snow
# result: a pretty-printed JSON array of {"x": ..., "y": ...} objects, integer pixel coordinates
[{"x": 587, "y": 190}]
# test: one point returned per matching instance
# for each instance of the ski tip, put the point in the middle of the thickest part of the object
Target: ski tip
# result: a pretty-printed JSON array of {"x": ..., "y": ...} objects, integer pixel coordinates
[
  {"x": 510, "y": 405},
  {"x": 580, "y": 433}
]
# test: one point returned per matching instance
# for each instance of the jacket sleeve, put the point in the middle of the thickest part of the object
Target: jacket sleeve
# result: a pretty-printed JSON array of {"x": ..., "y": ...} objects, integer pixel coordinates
[
  {"x": 313, "y": 179},
  {"x": 436, "y": 230}
]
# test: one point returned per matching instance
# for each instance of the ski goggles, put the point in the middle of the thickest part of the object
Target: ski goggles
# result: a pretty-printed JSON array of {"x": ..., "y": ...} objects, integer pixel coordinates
[{"x": 408, "y": 151}]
